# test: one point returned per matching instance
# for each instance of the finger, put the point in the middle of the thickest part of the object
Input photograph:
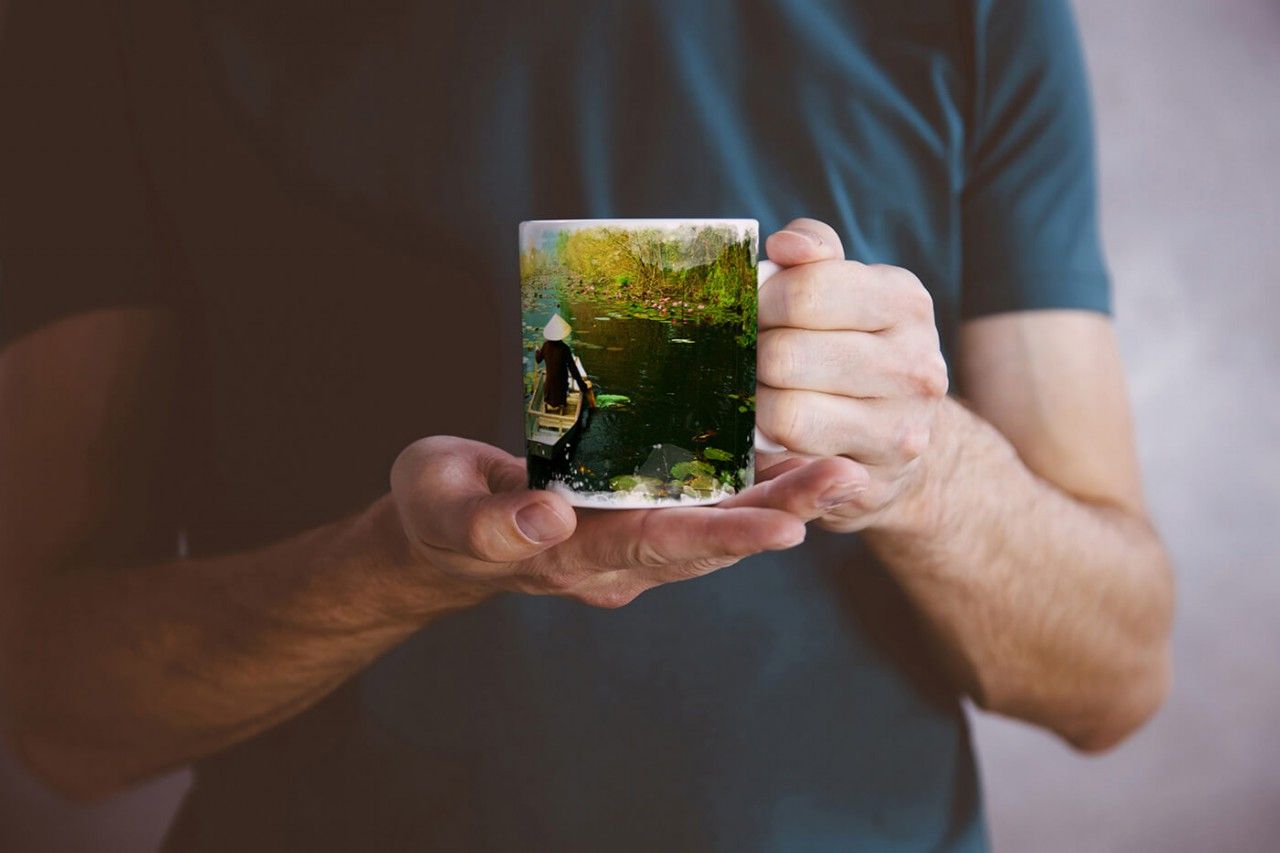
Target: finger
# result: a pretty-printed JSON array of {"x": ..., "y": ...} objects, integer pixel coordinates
[
  {"x": 778, "y": 464},
  {"x": 651, "y": 538},
  {"x": 843, "y": 295},
  {"x": 513, "y": 474},
  {"x": 445, "y": 491},
  {"x": 619, "y": 587},
  {"x": 804, "y": 241},
  {"x": 807, "y": 491},
  {"x": 886, "y": 483},
  {"x": 875, "y": 431},
  {"x": 853, "y": 364}
]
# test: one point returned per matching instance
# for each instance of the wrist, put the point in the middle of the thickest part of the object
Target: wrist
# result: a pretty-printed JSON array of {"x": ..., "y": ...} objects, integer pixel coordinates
[
  {"x": 920, "y": 508},
  {"x": 411, "y": 584}
]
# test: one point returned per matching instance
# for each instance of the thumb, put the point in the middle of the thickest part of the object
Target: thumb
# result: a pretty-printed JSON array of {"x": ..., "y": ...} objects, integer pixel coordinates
[
  {"x": 804, "y": 241},
  {"x": 458, "y": 495}
]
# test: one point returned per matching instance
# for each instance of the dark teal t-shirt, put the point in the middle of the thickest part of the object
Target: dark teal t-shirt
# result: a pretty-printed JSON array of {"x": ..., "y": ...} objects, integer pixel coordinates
[{"x": 328, "y": 195}]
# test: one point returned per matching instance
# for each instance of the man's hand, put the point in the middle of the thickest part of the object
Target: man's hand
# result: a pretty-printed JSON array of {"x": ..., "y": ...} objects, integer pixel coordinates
[
  {"x": 1021, "y": 543},
  {"x": 470, "y": 519},
  {"x": 849, "y": 365}
]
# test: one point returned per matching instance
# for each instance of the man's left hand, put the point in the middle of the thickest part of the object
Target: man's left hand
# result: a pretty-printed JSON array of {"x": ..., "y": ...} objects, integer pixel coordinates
[{"x": 849, "y": 365}]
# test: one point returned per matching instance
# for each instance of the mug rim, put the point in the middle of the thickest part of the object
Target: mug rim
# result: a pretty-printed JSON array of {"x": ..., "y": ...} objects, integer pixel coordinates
[{"x": 656, "y": 221}]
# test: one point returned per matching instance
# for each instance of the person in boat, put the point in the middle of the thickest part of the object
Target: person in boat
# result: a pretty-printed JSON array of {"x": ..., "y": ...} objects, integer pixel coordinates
[{"x": 560, "y": 366}]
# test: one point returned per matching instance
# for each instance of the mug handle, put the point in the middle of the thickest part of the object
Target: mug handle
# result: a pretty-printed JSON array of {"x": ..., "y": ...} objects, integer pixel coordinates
[{"x": 763, "y": 444}]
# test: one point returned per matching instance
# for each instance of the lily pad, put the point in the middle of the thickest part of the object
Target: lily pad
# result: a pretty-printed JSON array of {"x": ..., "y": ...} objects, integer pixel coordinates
[
  {"x": 716, "y": 454},
  {"x": 700, "y": 487},
  {"x": 606, "y": 401},
  {"x": 693, "y": 468},
  {"x": 637, "y": 483}
]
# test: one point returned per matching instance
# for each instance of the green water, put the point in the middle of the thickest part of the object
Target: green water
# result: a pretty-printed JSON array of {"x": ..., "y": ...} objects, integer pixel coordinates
[{"x": 687, "y": 384}]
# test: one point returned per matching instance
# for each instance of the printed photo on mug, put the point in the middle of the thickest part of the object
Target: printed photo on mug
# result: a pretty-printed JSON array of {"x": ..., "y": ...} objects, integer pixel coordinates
[{"x": 639, "y": 353}]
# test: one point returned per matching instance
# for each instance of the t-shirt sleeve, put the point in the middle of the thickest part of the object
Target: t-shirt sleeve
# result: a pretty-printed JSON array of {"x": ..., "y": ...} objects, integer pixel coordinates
[
  {"x": 75, "y": 231},
  {"x": 1029, "y": 205}
]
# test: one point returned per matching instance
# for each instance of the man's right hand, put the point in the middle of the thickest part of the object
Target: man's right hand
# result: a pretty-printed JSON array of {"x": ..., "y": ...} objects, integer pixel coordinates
[
  {"x": 188, "y": 655},
  {"x": 469, "y": 518}
]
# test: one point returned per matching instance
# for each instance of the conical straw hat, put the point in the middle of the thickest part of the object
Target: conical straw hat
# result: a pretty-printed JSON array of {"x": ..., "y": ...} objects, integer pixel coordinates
[{"x": 557, "y": 329}]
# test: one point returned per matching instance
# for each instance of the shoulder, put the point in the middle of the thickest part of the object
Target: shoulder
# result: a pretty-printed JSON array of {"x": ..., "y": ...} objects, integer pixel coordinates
[{"x": 1023, "y": 35}]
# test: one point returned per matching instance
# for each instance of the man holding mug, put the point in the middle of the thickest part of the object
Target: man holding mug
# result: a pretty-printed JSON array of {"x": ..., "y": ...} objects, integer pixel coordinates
[{"x": 225, "y": 230}]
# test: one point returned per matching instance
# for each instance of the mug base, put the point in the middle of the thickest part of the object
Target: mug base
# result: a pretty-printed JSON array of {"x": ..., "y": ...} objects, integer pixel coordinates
[{"x": 629, "y": 500}]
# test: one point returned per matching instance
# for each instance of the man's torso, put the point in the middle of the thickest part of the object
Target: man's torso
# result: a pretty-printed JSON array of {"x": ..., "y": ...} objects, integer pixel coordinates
[{"x": 331, "y": 184}]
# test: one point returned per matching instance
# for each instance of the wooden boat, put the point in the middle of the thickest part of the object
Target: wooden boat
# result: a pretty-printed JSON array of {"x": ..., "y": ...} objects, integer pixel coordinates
[{"x": 549, "y": 435}]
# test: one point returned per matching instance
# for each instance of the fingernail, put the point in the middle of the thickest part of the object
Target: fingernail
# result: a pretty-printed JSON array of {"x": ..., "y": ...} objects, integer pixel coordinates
[
  {"x": 841, "y": 493},
  {"x": 539, "y": 522},
  {"x": 808, "y": 235}
]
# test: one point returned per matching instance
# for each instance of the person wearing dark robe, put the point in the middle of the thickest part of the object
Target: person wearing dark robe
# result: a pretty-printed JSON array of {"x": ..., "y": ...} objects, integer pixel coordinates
[{"x": 560, "y": 366}]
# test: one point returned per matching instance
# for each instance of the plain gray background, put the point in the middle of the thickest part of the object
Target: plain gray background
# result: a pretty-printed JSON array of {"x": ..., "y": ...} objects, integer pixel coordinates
[{"x": 1187, "y": 101}]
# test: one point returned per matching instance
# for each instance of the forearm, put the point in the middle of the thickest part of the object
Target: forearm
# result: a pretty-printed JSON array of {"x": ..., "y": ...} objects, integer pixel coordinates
[
  {"x": 1045, "y": 607},
  {"x": 114, "y": 674}
]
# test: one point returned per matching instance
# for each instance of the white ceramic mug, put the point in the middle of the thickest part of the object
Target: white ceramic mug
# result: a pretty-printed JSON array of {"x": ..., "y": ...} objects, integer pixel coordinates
[{"x": 653, "y": 320}]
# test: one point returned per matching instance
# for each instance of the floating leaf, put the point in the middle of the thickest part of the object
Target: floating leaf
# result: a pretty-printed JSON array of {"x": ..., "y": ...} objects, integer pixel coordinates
[
  {"x": 700, "y": 487},
  {"x": 718, "y": 455},
  {"x": 693, "y": 468},
  {"x": 681, "y": 470},
  {"x": 623, "y": 483},
  {"x": 605, "y": 401},
  {"x": 681, "y": 341}
]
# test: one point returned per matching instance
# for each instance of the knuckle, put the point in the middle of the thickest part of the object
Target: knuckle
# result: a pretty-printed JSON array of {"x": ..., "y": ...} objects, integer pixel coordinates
[
  {"x": 912, "y": 442},
  {"x": 478, "y": 538},
  {"x": 927, "y": 377},
  {"x": 919, "y": 304},
  {"x": 417, "y": 450},
  {"x": 839, "y": 522},
  {"x": 706, "y": 565},
  {"x": 801, "y": 297},
  {"x": 789, "y": 424},
  {"x": 869, "y": 501},
  {"x": 644, "y": 549},
  {"x": 779, "y": 357},
  {"x": 941, "y": 378},
  {"x": 644, "y": 553},
  {"x": 917, "y": 301}
]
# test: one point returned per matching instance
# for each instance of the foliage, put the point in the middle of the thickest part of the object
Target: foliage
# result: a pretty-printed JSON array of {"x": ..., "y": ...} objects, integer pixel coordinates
[{"x": 695, "y": 275}]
